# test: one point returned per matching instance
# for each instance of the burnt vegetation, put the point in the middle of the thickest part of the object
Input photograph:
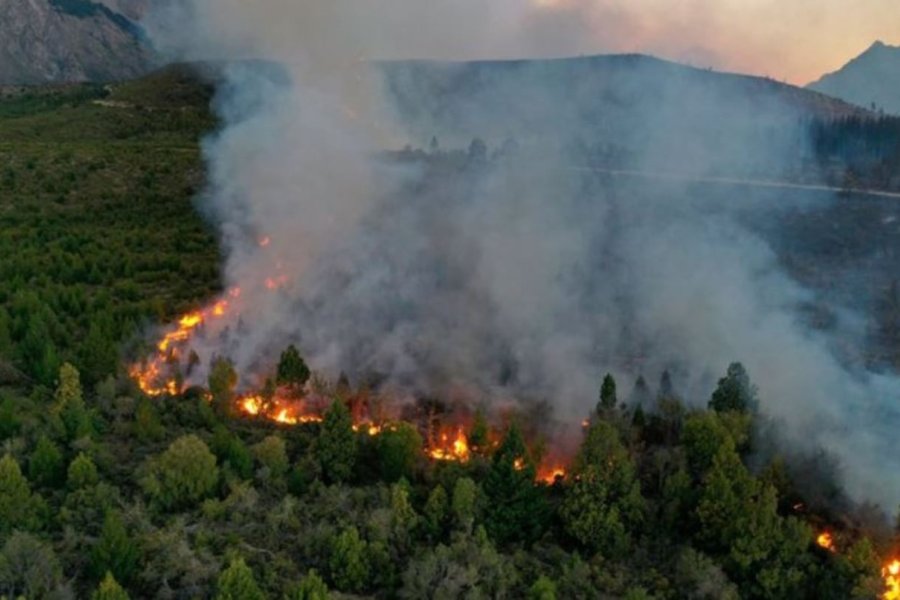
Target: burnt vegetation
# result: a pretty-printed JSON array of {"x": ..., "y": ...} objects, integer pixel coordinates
[{"x": 107, "y": 493}]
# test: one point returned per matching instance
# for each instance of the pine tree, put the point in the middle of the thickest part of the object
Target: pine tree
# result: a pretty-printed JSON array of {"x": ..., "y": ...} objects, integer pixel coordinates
[
  {"x": 335, "y": 448},
  {"x": 292, "y": 370},
  {"x": 271, "y": 453},
  {"x": 237, "y": 583},
  {"x": 516, "y": 509},
  {"x": 464, "y": 503},
  {"x": 734, "y": 391},
  {"x": 348, "y": 562},
  {"x": 70, "y": 404},
  {"x": 45, "y": 465},
  {"x": 604, "y": 504},
  {"x": 147, "y": 425},
  {"x": 399, "y": 449},
  {"x": 435, "y": 512},
  {"x": 82, "y": 473},
  {"x": 608, "y": 400},
  {"x": 110, "y": 589},
  {"x": 115, "y": 552},
  {"x": 542, "y": 589},
  {"x": 222, "y": 382},
  {"x": 182, "y": 475},
  {"x": 311, "y": 587},
  {"x": 17, "y": 510}
]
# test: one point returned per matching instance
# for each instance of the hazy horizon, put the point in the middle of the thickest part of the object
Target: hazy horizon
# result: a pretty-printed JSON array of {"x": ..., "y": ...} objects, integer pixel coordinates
[{"x": 797, "y": 41}]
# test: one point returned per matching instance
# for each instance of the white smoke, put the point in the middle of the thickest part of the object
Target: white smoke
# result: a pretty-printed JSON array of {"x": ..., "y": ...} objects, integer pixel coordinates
[{"x": 525, "y": 278}]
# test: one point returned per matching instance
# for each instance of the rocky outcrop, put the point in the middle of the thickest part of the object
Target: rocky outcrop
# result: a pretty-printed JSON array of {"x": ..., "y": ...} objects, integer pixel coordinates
[{"x": 44, "y": 41}]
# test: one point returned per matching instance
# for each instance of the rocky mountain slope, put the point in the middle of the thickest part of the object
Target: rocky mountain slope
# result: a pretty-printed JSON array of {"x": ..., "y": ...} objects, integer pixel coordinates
[
  {"x": 872, "y": 78},
  {"x": 68, "y": 40}
]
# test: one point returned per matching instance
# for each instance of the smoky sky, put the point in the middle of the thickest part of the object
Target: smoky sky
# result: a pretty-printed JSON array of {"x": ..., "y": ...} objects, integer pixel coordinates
[
  {"x": 518, "y": 277},
  {"x": 796, "y": 40}
]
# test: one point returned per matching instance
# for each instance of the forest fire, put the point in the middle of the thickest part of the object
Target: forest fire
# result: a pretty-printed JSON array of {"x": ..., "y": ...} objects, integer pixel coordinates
[
  {"x": 157, "y": 374},
  {"x": 826, "y": 540},
  {"x": 891, "y": 574},
  {"x": 551, "y": 475},
  {"x": 456, "y": 449}
]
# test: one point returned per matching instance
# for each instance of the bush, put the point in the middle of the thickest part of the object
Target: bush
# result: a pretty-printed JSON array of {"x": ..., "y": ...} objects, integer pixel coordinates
[{"x": 182, "y": 475}]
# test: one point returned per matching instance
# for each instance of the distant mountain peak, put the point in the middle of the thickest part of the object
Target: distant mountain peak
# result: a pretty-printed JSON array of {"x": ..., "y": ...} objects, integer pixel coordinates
[
  {"x": 872, "y": 78},
  {"x": 50, "y": 41}
]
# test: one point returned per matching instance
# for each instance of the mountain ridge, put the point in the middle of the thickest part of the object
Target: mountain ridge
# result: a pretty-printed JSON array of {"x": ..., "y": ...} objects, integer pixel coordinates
[
  {"x": 62, "y": 41},
  {"x": 871, "y": 79}
]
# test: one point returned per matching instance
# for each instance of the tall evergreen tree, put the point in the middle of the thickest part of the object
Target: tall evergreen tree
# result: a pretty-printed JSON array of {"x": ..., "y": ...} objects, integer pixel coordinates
[
  {"x": 70, "y": 404},
  {"x": 734, "y": 391},
  {"x": 604, "y": 506},
  {"x": 115, "y": 552},
  {"x": 336, "y": 446},
  {"x": 17, "y": 508},
  {"x": 45, "y": 465},
  {"x": 109, "y": 589},
  {"x": 237, "y": 583},
  {"x": 222, "y": 382},
  {"x": 292, "y": 370},
  {"x": 516, "y": 508},
  {"x": 608, "y": 400},
  {"x": 311, "y": 587}
]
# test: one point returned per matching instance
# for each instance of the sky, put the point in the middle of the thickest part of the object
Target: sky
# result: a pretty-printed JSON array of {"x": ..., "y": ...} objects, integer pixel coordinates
[
  {"x": 792, "y": 40},
  {"x": 796, "y": 41}
]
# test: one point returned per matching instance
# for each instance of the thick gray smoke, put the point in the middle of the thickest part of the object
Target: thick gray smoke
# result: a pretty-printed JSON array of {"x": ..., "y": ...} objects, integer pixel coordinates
[{"x": 525, "y": 276}]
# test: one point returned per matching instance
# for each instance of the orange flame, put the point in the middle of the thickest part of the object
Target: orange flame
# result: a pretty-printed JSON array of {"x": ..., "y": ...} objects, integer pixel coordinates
[
  {"x": 252, "y": 405},
  {"x": 826, "y": 540},
  {"x": 371, "y": 428},
  {"x": 455, "y": 450},
  {"x": 551, "y": 475},
  {"x": 891, "y": 574},
  {"x": 150, "y": 375}
]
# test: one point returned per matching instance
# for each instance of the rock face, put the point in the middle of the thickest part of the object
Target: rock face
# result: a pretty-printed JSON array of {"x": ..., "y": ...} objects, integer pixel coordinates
[
  {"x": 871, "y": 78},
  {"x": 133, "y": 9},
  {"x": 45, "y": 41}
]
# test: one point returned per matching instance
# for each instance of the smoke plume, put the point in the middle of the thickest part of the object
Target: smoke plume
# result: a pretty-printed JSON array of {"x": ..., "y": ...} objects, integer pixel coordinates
[{"x": 523, "y": 276}]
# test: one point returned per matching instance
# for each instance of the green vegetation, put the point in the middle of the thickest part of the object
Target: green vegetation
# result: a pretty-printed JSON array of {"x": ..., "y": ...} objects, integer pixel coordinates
[
  {"x": 107, "y": 494},
  {"x": 97, "y": 230}
]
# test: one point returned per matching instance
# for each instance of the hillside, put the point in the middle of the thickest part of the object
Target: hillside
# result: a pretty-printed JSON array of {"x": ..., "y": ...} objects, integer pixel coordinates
[
  {"x": 618, "y": 110},
  {"x": 872, "y": 79},
  {"x": 113, "y": 489},
  {"x": 68, "y": 41}
]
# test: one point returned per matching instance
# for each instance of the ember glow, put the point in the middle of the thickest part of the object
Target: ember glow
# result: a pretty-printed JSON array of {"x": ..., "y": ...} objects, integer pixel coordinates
[{"x": 551, "y": 475}]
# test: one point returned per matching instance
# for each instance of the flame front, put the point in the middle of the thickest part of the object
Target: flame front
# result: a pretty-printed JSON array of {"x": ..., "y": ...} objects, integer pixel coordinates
[
  {"x": 155, "y": 375},
  {"x": 451, "y": 450},
  {"x": 891, "y": 574}
]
